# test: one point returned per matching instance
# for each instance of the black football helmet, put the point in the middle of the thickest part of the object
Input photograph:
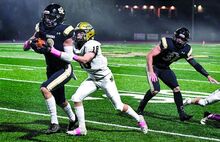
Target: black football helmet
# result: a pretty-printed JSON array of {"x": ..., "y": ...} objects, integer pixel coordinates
[
  {"x": 53, "y": 15},
  {"x": 181, "y": 36}
]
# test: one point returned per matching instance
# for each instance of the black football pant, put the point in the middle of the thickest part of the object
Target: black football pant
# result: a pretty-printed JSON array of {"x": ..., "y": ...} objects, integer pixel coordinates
[
  {"x": 56, "y": 81},
  {"x": 169, "y": 78}
]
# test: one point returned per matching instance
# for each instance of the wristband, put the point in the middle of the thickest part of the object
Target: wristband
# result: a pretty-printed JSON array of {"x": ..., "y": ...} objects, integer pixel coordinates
[
  {"x": 26, "y": 45},
  {"x": 75, "y": 57},
  {"x": 55, "y": 52}
]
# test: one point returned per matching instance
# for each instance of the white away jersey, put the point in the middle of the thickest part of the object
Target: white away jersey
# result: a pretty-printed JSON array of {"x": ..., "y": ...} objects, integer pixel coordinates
[{"x": 97, "y": 67}]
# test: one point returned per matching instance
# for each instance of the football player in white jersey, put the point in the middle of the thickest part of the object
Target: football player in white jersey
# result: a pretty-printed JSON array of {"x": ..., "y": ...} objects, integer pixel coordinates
[
  {"x": 88, "y": 53},
  {"x": 212, "y": 98}
]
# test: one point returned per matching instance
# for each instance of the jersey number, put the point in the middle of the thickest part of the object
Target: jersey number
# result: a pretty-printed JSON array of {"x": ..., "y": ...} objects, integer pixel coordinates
[{"x": 171, "y": 57}]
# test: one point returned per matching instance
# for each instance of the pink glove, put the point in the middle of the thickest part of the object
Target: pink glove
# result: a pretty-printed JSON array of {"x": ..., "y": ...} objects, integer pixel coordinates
[{"x": 26, "y": 45}]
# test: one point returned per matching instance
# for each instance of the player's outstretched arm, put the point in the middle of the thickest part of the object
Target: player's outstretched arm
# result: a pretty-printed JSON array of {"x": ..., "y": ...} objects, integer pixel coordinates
[
  {"x": 201, "y": 70},
  {"x": 212, "y": 80},
  {"x": 85, "y": 58}
]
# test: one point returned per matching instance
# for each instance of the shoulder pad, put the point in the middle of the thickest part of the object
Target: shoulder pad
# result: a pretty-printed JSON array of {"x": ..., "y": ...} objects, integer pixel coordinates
[
  {"x": 190, "y": 51},
  {"x": 92, "y": 43},
  {"x": 164, "y": 42},
  {"x": 37, "y": 28},
  {"x": 68, "y": 30}
]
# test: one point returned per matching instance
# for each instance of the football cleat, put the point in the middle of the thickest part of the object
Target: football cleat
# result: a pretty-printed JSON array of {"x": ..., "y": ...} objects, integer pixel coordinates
[
  {"x": 53, "y": 128},
  {"x": 77, "y": 132},
  {"x": 187, "y": 101},
  {"x": 205, "y": 118},
  {"x": 72, "y": 124},
  {"x": 143, "y": 125},
  {"x": 184, "y": 117}
]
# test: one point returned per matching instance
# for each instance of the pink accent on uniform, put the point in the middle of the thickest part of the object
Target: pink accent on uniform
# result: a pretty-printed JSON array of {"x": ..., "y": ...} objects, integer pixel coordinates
[
  {"x": 78, "y": 131},
  {"x": 55, "y": 52},
  {"x": 214, "y": 117},
  {"x": 142, "y": 124},
  {"x": 75, "y": 57},
  {"x": 26, "y": 45}
]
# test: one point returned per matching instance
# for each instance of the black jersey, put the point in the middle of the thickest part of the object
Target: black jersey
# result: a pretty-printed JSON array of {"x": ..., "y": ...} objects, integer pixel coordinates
[
  {"x": 170, "y": 53},
  {"x": 58, "y": 34}
]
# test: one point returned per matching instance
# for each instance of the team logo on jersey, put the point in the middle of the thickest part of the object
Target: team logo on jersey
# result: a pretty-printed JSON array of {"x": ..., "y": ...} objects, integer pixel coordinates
[{"x": 50, "y": 36}]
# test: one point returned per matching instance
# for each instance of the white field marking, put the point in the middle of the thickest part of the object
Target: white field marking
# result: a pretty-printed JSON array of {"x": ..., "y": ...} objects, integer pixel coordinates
[
  {"x": 115, "y": 125},
  {"x": 163, "y": 92},
  {"x": 110, "y": 64},
  {"x": 165, "y": 96},
  {"x": 27, "y": 69},
  {"x": 6, "y": 69},
  {"x": 142, "y": 76},
  {"x": 5, "y": 49}
]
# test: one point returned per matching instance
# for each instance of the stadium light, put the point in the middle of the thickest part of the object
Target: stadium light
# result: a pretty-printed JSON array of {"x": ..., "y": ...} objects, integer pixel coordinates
[
  {"x": 172, "y": 7},
  {"x": 144, "y": 7},
  {"x": 135, "y": 7},
  {"x": 200, "y": 8},
  {"x": 163, "y": 7},
  {"x": 127, "y": 6},
  {"x": 151, "y": 7}
]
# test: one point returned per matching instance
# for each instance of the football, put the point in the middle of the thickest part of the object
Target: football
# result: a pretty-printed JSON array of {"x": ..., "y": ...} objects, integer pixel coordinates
[{"x": 40, "y": 43}]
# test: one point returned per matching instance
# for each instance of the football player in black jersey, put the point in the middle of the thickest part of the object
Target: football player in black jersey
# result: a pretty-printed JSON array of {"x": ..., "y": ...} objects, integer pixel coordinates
[
  {"x": 58, "y": 52},
  {"x": 158, "y": 60}
]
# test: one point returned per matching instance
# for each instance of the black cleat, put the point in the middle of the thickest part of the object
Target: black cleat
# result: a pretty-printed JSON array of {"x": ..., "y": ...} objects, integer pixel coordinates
[
  {"x": 184, "y": 116},
  {"x": 206, "y": 114},
  {"x": 54, "y": 128},
  {"x": 72, "y": 124}
]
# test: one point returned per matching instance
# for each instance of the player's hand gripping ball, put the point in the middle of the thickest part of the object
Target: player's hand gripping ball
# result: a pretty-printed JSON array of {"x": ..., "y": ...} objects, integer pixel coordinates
[
  {"x": 40, "y": 46},
  {"x": 40, "y": 43}
]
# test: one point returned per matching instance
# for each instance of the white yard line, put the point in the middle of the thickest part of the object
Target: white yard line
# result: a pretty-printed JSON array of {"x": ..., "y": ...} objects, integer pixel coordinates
[
  {"x": 41, "y": 57},
  {"x": 116, "y": 125},
  {"x": 116, "y": 74}
]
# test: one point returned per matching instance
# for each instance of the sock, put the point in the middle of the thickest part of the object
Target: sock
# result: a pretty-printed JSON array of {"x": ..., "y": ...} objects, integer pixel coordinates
[
  {"x": 178, "y": 101},
  {"x": 51, "y": 106},
  {"x": 214, "y": 117},
  {"x": 81, "y": 116},
  {"x": 68, "y": 110},
  {"x": 144, "y": 101},
  {"x": 132, "y": 113}
]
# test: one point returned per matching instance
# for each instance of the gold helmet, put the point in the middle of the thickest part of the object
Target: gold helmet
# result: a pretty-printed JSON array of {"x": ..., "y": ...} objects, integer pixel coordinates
[{"x": 87, "y": 29}]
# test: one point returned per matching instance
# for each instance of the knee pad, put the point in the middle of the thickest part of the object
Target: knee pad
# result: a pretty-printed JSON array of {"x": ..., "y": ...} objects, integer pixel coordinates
[{"x": 76, "y": 98}]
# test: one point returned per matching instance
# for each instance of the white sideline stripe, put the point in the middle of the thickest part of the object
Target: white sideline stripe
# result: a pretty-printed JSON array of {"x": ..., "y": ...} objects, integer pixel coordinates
[
  {"x": 110, "y": 64},
  {"x": 30, "y": 81},
  {"x": 141, "y": 93},
  {"x": 115, "y": 125},
  {"x": 6, "y": 69},
  {"x": 22, "y": 66}
]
